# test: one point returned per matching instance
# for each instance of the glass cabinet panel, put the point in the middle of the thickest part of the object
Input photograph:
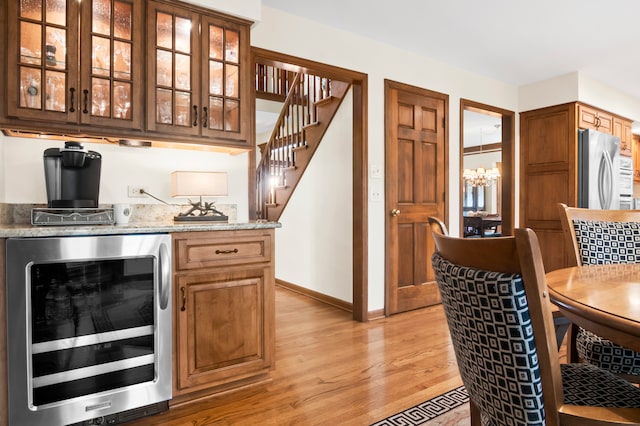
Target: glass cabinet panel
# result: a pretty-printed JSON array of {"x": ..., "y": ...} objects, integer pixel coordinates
[
  {"x": 174, "y": 66},
  {"x": 111, "y": 57},
  {"x": 224, "y": 79},
  {"x": 40, "y": 88}
]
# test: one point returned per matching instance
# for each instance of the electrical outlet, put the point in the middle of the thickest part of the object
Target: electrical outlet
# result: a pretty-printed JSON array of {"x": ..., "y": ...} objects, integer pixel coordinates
[
  {"x": 136, "y": 191},
  {"x": 375, "y": 191}
]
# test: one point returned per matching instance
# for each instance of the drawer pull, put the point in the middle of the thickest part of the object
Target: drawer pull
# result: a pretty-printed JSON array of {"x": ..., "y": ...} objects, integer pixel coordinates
[
  {"x": 184, "y": 299},
  {"x": 226, "y": 251}
]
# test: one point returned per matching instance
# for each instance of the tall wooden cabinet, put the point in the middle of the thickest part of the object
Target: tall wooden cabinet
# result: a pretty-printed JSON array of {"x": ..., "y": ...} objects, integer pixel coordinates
[
  {"x": 154, "y": 70},
  {"x": 549, "y": 169},
  {"x": 224, "y": 311}
]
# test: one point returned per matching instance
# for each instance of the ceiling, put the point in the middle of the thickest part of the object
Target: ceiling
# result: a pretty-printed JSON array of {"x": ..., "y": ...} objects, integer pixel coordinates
[{"x": 516, "y": 42}]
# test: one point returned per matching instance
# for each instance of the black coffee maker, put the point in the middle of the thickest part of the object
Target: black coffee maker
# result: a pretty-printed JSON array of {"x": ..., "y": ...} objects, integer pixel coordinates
[{"x": 72, "y": 176}]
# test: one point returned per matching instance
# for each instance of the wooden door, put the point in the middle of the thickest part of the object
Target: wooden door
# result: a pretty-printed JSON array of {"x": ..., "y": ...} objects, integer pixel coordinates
[{"x": 416, "y": 146}]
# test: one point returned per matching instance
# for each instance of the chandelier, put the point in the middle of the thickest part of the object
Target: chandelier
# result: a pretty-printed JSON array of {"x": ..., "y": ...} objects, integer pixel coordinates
[{"x": 481, "y": 176}]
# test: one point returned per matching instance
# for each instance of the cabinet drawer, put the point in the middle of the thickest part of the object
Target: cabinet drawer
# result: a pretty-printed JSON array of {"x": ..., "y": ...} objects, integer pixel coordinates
[{"x": 211, "y": 251}]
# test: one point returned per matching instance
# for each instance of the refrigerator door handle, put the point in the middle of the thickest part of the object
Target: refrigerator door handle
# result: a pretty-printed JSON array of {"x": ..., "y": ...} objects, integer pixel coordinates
[{"x": 605, "y": 180}]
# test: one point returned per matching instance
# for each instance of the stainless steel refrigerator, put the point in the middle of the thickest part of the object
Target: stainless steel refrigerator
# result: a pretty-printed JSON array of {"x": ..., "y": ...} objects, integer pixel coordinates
[{"x": 598, "y": 170}]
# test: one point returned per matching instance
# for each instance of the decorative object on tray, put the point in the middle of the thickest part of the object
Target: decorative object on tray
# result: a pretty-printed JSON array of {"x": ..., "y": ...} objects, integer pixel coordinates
[{"x": 199, "y": 184}]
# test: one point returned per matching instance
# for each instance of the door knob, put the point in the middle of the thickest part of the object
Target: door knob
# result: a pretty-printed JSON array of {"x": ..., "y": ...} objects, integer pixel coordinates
[{"x": 395, "y": 212}]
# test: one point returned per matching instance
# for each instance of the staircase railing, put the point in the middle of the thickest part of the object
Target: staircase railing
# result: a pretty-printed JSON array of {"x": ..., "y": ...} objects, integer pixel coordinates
[
  {"x": 273, "y": 82},
  {"x": 299, "y": 111}
]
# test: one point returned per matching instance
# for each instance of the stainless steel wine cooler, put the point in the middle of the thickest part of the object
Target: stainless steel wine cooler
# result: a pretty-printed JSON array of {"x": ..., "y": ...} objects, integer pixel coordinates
[{"x": 89, "y": 328}]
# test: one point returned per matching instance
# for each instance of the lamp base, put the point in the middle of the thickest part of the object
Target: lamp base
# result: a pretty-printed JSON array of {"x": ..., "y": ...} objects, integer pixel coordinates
[
  {"x": 201, "y": 212},
  {"x": 211, "y": 218}
]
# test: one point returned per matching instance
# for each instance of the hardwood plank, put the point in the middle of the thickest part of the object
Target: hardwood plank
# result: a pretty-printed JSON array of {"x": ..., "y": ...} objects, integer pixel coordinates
[{"x": 333, "y": 370}]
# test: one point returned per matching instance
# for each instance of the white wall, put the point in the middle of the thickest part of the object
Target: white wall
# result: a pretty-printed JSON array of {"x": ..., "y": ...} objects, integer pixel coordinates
[
  {"x": 149, "y": 167},
  {"x": 380, "y": 61},
  {"x": 247, "y": 9},
  {"x": 314, "y": 248},
  {"x": 578, "y": 87}
]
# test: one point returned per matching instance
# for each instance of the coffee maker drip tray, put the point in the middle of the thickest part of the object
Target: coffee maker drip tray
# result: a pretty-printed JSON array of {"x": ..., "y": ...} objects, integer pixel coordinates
[{"x": 72, "y": 216}]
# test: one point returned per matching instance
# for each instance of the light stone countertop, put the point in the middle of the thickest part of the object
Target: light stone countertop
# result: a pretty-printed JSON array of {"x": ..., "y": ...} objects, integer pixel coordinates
[
  {"x": 145, "y": 219},
  {"x": 27, "y": 230}
]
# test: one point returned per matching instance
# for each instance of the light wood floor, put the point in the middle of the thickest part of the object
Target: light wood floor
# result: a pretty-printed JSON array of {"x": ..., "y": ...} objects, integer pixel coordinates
[{"x": 331, "y": 370}]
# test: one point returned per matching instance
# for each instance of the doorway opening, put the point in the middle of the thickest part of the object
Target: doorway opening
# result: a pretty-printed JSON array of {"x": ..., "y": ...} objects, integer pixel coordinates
[
  {"x": 359, "y": 154},
  {"x": 487, "y": 178}
]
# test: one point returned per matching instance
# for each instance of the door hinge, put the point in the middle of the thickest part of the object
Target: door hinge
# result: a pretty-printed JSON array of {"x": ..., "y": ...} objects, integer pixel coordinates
[{"x": 444, "y": 122}]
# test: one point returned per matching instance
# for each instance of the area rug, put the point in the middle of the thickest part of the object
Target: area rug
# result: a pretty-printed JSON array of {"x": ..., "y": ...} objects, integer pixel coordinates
[{"x": 450, "y": 408}]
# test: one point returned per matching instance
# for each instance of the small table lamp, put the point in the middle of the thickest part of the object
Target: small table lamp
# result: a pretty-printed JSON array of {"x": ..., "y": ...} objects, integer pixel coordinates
[{"x": 199, "y": 184}]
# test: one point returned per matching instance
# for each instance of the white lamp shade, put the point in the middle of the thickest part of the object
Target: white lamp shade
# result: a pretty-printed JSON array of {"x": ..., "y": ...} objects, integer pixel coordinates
[{"x": 198, "y": 184}]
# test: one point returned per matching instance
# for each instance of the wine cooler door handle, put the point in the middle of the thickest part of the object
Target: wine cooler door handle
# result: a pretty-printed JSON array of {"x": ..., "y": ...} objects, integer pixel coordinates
[{"x": 165, "y": 276}]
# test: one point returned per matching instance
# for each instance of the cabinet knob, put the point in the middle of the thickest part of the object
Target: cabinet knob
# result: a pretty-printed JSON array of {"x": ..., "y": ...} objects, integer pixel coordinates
[{"x": 395, "y": 212}]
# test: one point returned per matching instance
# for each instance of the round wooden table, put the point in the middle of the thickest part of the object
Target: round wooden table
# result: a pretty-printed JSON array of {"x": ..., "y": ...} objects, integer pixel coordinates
[{"x": 604, "y": 299}]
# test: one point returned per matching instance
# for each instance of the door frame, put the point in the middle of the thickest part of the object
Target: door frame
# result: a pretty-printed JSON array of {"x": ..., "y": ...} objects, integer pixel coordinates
[
  {"x": 394, "y": 85},
  {"x": 507, "y": 207},
  {"x": 359, "y": 88}
]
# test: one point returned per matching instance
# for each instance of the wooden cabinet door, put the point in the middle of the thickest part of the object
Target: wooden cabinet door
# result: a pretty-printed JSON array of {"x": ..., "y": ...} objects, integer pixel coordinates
[
  {"x": 199, "y": 74},
  {"x": 225, "y": 79},
  {"x": 224, "y": 333},
  {"x": 622, "y": 129},
  {"x": 42, "y": 60},
  {"x": 173, "y": 65},
  {"x": 592, "y": 118},
  {"x": 112, "y": 66},
  {"x": 51, "y": 82},
  {"x": 548, "y": 176}
]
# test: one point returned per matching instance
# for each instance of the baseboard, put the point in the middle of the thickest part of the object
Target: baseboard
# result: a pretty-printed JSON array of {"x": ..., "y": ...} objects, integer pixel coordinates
[
  {"x": 340, "y": 304},
  {"x": 377, "y": 314}
]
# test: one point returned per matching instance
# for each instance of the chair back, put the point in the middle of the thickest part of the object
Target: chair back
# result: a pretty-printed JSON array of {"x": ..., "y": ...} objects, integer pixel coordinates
[
  {"x": 601, "y": 236},
  {"x": 495, "y": 300},
  {"x": 438, "y": 226}
]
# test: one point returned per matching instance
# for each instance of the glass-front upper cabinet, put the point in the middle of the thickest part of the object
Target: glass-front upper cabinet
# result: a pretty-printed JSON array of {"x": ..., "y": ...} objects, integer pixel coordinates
[
  {"x": 76, "y": 62},
  {"x": 198, "y": 78},
  {"x": 41, "y": 79}
]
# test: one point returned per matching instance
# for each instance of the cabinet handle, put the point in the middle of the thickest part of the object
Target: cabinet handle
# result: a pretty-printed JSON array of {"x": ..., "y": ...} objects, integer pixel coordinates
[
  {"x": 86, "y": 101},
  {"x": 205, "y": 118},
  {"x": 184, "y": 299},
  {"x": 226, "y": 251},
  {"x": 598, "y": 122},
  {"x": 73, "y": 99},
  {"x": 195, "y": 116}
]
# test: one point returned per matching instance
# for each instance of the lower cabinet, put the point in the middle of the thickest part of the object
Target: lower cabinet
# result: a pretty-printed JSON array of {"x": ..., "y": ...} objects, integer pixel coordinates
[{"x": 224, "y": 314}]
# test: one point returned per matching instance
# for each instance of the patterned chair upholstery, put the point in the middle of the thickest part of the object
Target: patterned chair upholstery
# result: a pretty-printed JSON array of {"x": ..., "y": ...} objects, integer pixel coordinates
[
  {"x": 492, "y": 332},
  {"x": 601, "y": 242}
]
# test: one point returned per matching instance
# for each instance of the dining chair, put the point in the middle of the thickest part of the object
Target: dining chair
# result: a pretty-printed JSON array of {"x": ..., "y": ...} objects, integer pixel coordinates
[
  {"x": 560, "y": 322},
  {"x": 601, "y": 237},
  {"x": 496, "y": 304}
]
